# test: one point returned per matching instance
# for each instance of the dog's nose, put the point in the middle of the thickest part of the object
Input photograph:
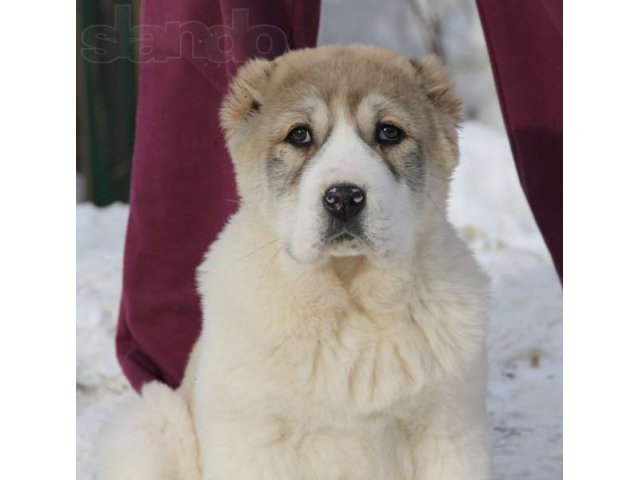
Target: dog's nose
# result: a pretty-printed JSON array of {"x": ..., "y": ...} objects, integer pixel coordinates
[{"x": 344, "y": 201}]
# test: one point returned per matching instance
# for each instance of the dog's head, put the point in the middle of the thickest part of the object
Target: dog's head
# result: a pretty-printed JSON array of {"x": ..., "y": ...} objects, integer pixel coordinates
[{"x": 343, "y": 150}]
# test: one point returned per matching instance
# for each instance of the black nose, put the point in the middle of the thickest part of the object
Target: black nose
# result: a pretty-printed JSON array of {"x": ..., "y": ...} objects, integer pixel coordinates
[{"x": 344, "y": 201}]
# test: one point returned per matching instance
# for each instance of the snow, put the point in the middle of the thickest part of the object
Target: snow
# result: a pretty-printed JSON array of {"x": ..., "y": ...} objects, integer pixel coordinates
[
  {"x": 99, "y": 381},
  {"x": 525, "y": 342}
]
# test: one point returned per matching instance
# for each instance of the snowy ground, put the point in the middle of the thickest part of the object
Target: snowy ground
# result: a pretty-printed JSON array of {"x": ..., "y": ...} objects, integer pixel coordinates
[{"x": 525, "y": 389}]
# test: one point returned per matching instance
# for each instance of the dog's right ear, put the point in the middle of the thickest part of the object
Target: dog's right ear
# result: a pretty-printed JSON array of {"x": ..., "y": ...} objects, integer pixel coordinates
[{"x": 246, "y": 95}]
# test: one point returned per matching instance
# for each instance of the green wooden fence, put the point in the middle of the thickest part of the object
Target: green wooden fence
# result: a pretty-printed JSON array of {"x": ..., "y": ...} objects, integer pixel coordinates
[{"x": 106, "y": 97}]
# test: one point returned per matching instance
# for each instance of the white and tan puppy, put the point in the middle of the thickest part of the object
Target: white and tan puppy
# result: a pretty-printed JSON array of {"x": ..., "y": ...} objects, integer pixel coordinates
[{"x": 344, "y": 321}]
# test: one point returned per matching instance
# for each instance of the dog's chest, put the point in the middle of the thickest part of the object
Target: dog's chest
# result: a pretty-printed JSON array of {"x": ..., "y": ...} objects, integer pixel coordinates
[
  {"x": 353, "y": 390},
  {"x": 356, "y": 364},
  {"x": 378, "y": 447}
]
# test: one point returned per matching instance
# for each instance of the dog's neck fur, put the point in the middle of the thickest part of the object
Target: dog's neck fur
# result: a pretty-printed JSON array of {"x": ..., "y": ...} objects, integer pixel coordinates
[{"x": 348, "y": 268}]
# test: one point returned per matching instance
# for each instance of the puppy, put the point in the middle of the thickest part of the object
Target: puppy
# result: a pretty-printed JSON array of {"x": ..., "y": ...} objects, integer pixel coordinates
[{"x": 343, "y": 319}]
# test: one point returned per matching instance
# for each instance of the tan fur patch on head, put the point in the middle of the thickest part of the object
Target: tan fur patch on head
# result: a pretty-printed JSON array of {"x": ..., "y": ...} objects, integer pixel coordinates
[
  {"x": 355, "y": 69},
  {"x": 266, "y": 93}
]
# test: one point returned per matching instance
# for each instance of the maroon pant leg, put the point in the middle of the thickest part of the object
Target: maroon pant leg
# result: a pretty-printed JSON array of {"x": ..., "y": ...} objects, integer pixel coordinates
[
  {"x": 182, "y": 185},
  {"x": 524, "y": 39}
]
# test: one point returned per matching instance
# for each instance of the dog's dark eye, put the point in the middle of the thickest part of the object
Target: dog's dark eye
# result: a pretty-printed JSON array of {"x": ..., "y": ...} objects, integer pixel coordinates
[
  {"x": 387, "y": 134},
  {"x": 300, "y": 136}
]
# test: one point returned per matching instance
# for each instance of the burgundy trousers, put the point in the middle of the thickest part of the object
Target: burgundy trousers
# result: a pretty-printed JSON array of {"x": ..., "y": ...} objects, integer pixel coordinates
[
  {"x": 183, "y": 187},
  {"x": 524, "y": 39},
  {"x": 182, "y": 184}
]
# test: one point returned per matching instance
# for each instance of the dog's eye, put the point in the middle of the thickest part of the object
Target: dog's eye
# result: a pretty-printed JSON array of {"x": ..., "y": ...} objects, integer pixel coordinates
[
  {"x": 387, "y": 134},
  {"x": 300, "y": 136}
]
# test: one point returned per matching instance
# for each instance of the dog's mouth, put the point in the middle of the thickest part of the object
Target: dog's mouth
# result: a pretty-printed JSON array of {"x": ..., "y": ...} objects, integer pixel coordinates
[
  {"x": 342, "y": 238},
  {"x": 346, "y": 243},
  {"x": 342, "y": 234}
]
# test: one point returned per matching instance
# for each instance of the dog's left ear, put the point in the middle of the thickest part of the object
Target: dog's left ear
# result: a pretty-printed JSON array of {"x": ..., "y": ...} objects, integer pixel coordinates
[
  {"x": 434, "y": 78},
  {"x": 246, "y": 94}
]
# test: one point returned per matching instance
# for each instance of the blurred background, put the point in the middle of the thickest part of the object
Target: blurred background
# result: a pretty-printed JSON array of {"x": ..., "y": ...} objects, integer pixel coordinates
[
  {"x": 487, "y": 207},
  {"x": 106, "y": 102},
  {"x": 106, "y": 92}
]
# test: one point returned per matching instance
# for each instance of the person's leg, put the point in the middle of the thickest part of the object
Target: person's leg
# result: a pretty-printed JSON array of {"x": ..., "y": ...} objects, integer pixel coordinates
[
  {"x": 183, "y": 188},
  {"x": 524, "y": 40}
]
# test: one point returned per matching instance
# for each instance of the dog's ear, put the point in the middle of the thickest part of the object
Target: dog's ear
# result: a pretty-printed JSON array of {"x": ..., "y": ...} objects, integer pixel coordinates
[
  {"x": 435, "y": 81},
  {"x": 246, "y": 94}
]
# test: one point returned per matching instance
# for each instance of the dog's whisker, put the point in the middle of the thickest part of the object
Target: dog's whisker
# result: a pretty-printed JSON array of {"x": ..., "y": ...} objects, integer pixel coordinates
[
  {"x": 270, "y": 263},
  {"x": 440, "y": 213},
  {"x": 258, "y": 249},
  {"x": 439, "y": 177}
]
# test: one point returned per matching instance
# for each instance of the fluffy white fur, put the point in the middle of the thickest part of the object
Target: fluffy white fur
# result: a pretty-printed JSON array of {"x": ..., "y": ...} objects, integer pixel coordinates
[
  {"x": 302, "y": 376},
  {"x": 323, "y": 365},
  {"x": 150, "y": 438}
]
